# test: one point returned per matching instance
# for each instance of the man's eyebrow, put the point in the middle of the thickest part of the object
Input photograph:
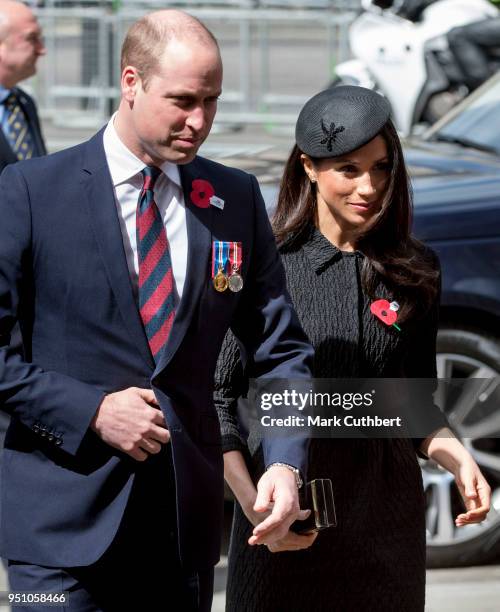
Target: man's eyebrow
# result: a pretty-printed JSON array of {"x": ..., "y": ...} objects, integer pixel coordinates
[{"x": 186, "y": 94}]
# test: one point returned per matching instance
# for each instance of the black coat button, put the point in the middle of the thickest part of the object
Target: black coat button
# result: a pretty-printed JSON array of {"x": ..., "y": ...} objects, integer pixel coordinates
[{"x": 58, "y": 442}]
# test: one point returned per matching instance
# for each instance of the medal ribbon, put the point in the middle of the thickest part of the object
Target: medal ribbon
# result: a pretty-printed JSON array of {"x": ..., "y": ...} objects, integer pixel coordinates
[
  {"x": 235, "y": 256},
  {"x": 220, "y": 255}
]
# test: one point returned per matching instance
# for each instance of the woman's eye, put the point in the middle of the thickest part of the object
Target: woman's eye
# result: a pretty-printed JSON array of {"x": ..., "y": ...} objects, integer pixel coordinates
[
  {"x": 383, "y": 167},
  {"x": 348, "y": 168}
]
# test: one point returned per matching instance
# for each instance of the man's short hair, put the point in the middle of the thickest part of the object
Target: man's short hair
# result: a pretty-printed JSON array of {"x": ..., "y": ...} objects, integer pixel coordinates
[{"x": 147, "y": 39}]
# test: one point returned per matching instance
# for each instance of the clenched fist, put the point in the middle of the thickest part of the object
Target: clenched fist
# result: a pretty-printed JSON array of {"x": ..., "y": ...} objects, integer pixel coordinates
[{"x": 132, "y": 422}]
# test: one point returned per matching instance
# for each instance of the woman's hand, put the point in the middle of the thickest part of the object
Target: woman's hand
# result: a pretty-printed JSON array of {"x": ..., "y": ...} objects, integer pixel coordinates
[
  {"x": 293, "y": 541},
  {"x": 257, "y": 517},
  {"x": 444, "y": 448},
  {"x": 238, "y": 478},
  {"x": 241, "y": 484},
  {"x": 254, "y": 517},
  {"x": 475, "y": 492}
]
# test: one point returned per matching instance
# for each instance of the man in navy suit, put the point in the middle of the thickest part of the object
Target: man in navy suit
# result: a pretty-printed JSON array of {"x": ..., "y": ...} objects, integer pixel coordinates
[
  {"x": 21, "y": 45},
  {"x": 109, "y": 253}
]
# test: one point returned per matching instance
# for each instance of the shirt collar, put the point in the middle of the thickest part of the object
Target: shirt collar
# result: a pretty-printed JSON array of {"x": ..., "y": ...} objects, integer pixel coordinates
[
  {"x": 123, "y": 164},
  {"x": 321, "y": 252},
  {"x": 4, "y": 93}
]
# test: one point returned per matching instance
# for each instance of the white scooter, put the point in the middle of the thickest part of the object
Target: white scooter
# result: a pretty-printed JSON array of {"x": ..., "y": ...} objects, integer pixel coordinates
[{"x": 410, "y": 63}]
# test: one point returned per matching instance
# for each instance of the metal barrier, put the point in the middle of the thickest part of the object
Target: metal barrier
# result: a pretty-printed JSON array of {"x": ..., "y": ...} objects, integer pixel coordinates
[{"x": 274, "y": 58}]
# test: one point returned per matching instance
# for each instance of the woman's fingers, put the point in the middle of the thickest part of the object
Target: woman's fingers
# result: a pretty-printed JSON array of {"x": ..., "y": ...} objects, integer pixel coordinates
[
  {"x": 476, "y": 494},
  {"x": 293, "y": 541}
]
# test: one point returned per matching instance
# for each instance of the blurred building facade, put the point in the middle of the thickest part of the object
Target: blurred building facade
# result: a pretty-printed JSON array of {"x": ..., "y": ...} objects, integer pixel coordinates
[{"x": 276, "y": 54}]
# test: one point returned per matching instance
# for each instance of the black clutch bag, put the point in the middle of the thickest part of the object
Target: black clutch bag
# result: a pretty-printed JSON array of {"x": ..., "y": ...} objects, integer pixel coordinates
[{"x": 317, "y": 496}]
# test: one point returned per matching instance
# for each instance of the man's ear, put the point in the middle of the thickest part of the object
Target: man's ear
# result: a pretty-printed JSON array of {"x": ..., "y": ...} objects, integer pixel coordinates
[{"x": 130, "y": 83}]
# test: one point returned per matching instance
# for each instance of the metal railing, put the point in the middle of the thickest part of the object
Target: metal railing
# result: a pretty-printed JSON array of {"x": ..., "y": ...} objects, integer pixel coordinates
[{"x": 274, "y": 57}]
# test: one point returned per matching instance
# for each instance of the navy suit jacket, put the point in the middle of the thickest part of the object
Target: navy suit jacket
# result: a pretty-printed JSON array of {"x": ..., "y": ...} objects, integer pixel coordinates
[
  {"x": 63, "y": 274},
  {"x": 7, "y": 155}
]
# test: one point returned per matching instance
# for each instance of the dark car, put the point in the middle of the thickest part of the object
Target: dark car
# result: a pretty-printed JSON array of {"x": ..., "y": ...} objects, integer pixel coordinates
[{"x": 455, "y": 170}]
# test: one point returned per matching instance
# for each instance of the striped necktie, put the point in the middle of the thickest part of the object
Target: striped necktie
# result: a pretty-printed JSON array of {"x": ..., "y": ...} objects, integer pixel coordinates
[
  {"x": 156, "y": 283},
  {"x": 19, "y": 134}
]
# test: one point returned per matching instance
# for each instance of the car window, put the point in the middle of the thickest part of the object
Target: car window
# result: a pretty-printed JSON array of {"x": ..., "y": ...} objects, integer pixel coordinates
[{"x": 474, "y": 121}]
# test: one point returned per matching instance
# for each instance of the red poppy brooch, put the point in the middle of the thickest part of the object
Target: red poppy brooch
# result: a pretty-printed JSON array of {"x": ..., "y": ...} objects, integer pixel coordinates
[
  {"x": 386, "y": 311},
  {"x": 203, "y": 195}
]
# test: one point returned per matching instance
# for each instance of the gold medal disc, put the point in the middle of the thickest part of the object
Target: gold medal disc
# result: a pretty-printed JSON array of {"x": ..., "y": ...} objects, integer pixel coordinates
[{"x": 220, "y": 281}]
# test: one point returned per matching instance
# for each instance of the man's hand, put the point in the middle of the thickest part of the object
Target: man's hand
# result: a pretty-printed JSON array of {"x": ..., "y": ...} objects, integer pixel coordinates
[
  {"x": 132, "y": 422},
  {"x": 277, "y": 489}
]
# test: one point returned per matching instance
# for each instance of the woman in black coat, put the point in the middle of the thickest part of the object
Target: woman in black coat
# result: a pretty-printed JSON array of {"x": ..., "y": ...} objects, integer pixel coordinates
[{"x": 343, "y": 225}]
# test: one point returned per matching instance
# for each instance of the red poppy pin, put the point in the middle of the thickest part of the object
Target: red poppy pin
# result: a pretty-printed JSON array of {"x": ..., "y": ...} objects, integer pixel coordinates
[
  {"x": 386, "y": 312},
  {"x": 203, "y": 195}
]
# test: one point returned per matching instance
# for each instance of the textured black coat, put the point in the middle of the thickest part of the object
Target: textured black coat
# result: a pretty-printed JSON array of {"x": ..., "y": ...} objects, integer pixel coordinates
[{"x": 375, "y": 558}]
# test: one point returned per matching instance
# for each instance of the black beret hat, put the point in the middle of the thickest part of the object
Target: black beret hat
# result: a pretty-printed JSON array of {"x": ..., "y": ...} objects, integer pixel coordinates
[{"x": 339, "y": 120}]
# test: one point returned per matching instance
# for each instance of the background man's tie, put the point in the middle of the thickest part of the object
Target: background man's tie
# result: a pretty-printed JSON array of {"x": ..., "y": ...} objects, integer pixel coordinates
[
  {"x": 20, "y": 138},
  {"x": 156, "y": 281}
]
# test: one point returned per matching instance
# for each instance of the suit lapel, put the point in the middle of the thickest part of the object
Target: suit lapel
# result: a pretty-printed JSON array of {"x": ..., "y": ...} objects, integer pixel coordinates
[
  {"x": 199, "y": 222},
  {"x": 100, "y": 199},
  {"x": 7, "y": 155}
]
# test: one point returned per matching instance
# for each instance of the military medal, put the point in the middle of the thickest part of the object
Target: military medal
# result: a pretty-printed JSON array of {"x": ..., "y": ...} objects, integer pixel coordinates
[
  {"x": 220, "y": 281},
  {"x": 219, "y": 260},
  {"x": 235, "y": 280}
]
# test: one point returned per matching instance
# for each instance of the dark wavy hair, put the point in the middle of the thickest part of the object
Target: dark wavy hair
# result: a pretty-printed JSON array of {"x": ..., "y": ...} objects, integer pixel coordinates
[{"x": 392, "y": 255}]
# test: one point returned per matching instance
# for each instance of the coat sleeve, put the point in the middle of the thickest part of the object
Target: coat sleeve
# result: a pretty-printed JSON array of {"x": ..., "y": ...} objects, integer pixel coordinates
[
  {"x": 230, "y": 384},
  {"x": 271, "y": 340},
  {"x": 58, "y": 407},
  {"x": 420, "y": 363}
]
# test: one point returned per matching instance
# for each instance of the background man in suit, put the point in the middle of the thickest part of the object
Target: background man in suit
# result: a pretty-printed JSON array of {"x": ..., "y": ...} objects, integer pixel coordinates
[
  {"x": 112, "y": 477},
  {"x": 21, "y": 45}
]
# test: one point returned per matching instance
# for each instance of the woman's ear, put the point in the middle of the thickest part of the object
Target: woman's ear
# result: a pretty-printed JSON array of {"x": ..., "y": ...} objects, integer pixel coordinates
[{"x": 308, "y": 167}]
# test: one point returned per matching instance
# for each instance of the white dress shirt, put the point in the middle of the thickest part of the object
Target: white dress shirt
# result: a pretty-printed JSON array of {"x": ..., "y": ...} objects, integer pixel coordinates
[{"x": 125, "y": 170}]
